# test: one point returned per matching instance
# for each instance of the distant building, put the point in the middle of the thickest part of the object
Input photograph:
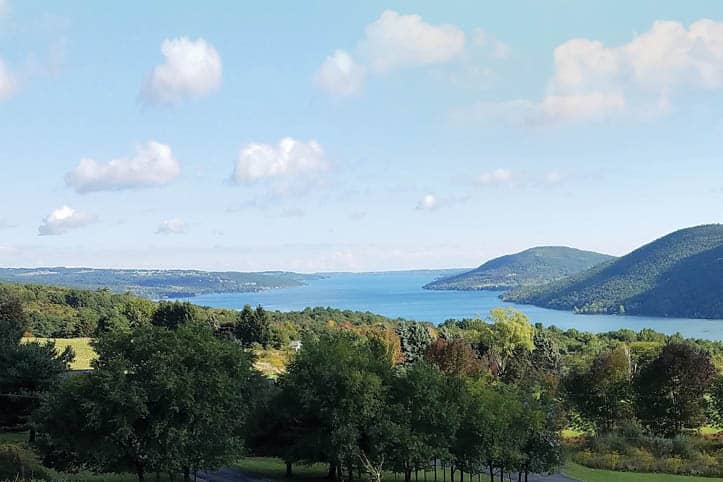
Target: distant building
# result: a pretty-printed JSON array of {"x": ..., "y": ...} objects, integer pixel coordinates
[{"x": 295, "y": 345}]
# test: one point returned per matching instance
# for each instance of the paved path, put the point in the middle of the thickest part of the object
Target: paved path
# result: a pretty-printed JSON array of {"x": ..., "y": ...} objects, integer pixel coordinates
[{"x": 236, "y": 475}]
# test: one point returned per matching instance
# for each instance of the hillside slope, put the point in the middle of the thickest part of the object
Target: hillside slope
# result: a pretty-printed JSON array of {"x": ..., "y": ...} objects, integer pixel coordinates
[
  {"x": 532, "y": 266},
  {"x": 678, "y": 275}
]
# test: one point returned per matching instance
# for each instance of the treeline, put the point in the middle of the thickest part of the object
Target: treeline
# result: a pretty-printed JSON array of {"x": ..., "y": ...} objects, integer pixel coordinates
[{"x": 56, "y": 312}]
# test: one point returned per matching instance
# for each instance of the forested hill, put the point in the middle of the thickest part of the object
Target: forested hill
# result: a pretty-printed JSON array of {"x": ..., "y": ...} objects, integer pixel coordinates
[
  {"x": 679, "y": 275},
  {"x": 156, "y": 283},
  {"x": 530, "y": 267}
]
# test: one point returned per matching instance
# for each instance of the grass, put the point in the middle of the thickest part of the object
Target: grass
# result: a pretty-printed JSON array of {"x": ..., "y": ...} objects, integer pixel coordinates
[
  {"x": 84, "y": 353},
  {"x": 270, "y": 362},
  {"x": 586, "y": 474}
]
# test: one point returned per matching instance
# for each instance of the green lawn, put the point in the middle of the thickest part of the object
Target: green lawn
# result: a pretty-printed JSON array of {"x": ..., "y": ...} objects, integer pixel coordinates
[
  {"x": 585, "y": 474},
  {"x": 84, "y": 353}
]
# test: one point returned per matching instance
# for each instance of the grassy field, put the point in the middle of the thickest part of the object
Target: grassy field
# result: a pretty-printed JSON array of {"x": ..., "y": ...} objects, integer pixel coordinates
[
  {"x": 84, "y": 353},
  {"x": 585, "y": 474},
  {"x": 270, "y": 362}
]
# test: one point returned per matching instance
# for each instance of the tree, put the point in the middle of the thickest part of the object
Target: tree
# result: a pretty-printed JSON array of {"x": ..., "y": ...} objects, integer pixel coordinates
[
  {"x": 336, "y": 387},
  {"x": 157, "y": 399},
  {"x": 253, "y": 326},
  {"x": 670, "y": 391},
  {"x": 454, "y": 358},
  {"x": 603, "y": 393},
  {"x": 414, "y": 338},
  {"x": 171, "y": 315},
  {"x": 511, "y": 333},
  {"x": 422, "y": 403},
  {"x": 27, "y": 370}
]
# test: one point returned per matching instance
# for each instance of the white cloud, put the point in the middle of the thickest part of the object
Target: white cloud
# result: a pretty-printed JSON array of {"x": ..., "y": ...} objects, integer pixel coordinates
[
  {"x": 428, "y": 203},
  {"x": 396, "y": 41},
  {"x": 152, "y": 165},
  {"x": 393, "y": 41},
  {"x": 172, "y": 226},
  {"x": 554, "y": 177},
  {"x": 192, "y": 68},
  {"x": 62, "y": 220},
  {"x": 497, "y": 49},
  {"x": 498, "y": 176},
  {"x": 592, "y": 81},
  {"x": 340, "y": 74},
  {"x": 290, "y": 158},
  {"x": 7, "y": 81}
]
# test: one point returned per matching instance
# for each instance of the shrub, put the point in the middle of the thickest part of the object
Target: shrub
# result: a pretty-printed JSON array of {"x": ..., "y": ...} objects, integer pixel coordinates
[{"x": 19, "y": 463}]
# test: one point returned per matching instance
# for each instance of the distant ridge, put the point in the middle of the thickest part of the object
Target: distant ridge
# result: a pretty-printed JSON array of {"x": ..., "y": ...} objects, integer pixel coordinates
[
  {"x": 678, "y": 275},
  {"x": 533, "y": 266}
]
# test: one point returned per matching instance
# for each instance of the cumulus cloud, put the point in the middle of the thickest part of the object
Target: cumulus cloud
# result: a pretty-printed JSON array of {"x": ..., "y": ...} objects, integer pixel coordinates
[
  {"x": 172, "y": 226},
  {"x": 428, "y": 203},
  {"x": 191, "y": 69},
  {"x": 593, "y": 81},
  {"x": 289, "y": 158},
  {"x": 62, "y": 220},
  {"x": 152, "y": 165},
  {"x": 498, "y": 176},
  {"x": 496, "y": 48},
  {"x": 393, "y": 41},
  {"x": 340, "y": 74}
]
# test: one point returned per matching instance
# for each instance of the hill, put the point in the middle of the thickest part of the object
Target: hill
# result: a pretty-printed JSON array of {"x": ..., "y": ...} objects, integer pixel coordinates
[
  {"x": 530, "y": 267},
  {"x": 156, "y": 283},
  {"x": 678, "y": 275}
]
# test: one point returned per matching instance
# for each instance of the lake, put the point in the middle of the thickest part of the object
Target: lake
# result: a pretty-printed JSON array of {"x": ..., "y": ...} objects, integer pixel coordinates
[{"x": 400, "y": 294}]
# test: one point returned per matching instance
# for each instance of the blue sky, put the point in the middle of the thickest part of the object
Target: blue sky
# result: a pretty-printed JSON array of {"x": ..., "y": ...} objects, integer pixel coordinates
[{"x": 353, "y": 135}]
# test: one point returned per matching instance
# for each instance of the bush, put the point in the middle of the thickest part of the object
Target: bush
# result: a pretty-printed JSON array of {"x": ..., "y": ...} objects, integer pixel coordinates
[{"x": 19, "y": 463}]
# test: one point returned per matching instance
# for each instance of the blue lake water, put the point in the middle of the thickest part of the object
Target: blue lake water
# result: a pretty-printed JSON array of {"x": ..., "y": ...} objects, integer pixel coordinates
[{"x": 400, "y": 294}]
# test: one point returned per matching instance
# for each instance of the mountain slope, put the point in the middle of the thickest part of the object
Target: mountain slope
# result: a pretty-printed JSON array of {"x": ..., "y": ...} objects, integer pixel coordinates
[
  {"x": 532, "y": 266},
  {"x": 678, "y": 275}
]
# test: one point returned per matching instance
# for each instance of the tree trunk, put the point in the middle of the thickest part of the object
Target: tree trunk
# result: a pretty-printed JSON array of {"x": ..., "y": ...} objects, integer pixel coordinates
[
  {"x": 492, "y": 473},
  {"x": 526, "y": 472},
  {"x": 288, "y": 470},
  {"x": 187, "y": 474},
  {"x": 332, "y": 471},
  {"x": 140, "y": 472},
  {"x": 461, "y": 475},
  {"x": 407, "y": 475}
]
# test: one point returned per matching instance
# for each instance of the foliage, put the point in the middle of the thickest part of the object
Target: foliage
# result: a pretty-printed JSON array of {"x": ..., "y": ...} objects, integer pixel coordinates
[
  {"x": 530, "y": 267},
  {"x": 253, "y": 327},
  {"x": 679, "y": 275},
  {"x": 158, "y": 399},
  {"x": 414, "y": 339},
  {"x": 671, "y": 390}
]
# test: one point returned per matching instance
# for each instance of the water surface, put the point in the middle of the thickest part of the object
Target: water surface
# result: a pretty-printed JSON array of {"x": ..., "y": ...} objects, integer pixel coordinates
[{"x": 400, "y": 294}]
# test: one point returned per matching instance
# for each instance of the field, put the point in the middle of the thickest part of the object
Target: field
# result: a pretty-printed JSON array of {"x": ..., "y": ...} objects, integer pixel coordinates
[
  {"x": 585, "y": 474},
  {"x": 270, "y": 362},
  {"x": 84, "y": 353}
]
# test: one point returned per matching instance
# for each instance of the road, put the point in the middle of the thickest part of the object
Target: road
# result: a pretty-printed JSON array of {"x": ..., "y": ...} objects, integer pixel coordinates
[{"x": 236, "y": 475}]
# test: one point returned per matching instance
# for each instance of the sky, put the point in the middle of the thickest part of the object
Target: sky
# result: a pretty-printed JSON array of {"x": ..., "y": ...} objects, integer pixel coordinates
[{"x": 353, "y": 136}]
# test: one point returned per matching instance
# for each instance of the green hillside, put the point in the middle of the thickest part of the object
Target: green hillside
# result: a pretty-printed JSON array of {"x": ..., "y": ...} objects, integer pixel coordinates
[
  {"x": 679, "y": 275},
  {"x": 530, "y": 267}
]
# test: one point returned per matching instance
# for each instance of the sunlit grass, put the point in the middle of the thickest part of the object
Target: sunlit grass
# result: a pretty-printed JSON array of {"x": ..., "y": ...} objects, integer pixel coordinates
[
  {"x": 585, "y": 474},
  {"x": 84, "y": 353}
]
